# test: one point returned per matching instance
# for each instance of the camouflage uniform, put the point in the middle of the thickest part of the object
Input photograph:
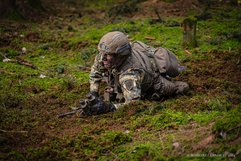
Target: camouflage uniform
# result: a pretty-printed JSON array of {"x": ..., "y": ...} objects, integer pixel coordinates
[{"x": 137, "y": 77}]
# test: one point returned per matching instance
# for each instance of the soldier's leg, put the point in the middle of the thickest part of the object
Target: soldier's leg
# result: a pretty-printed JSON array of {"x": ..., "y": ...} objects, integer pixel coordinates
[
  {"x": 165, "y": 87},
  {"x": 182, "y": 87}
]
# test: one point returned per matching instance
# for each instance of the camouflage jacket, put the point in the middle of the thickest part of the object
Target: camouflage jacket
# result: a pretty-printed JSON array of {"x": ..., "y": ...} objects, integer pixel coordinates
[{"x": 134, "y": 78}]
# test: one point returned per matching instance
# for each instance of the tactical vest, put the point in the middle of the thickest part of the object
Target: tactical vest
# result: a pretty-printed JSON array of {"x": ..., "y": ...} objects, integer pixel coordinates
[
  {"x": 140, "y": 60},
  {"x": 151, "y": 61}
]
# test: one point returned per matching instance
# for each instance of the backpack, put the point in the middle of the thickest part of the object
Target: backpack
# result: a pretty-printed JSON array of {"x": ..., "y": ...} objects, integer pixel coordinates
[{"x": 166, "y": 61}]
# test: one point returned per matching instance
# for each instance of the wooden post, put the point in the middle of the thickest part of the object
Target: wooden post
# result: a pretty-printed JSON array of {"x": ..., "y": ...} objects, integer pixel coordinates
[{"x": 189, "y": 33}]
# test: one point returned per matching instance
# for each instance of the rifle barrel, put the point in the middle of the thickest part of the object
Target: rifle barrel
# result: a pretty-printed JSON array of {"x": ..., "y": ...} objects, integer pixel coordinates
[{"x": 67, "y": 113}]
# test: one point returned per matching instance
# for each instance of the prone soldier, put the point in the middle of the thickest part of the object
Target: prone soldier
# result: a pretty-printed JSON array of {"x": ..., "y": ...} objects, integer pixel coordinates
[{"x": 134, "y": 71}]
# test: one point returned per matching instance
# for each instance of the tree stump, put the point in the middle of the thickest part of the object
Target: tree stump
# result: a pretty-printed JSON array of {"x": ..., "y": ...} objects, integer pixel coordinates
[{"x": 189, "y": 33}]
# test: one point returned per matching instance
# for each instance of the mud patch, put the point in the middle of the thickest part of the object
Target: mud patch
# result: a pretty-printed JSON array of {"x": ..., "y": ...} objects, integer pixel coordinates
[
  {"x": 177, "y": 8},
  {"x": 32, "y": 37},
  {"x": 220, "y": 70}
]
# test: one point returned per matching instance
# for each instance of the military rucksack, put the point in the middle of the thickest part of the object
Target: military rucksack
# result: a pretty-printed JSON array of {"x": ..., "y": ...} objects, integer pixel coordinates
[{"x": 166, "y": 61}]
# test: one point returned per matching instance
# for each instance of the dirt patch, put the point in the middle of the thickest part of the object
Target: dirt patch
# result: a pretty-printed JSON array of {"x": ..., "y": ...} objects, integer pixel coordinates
[
  {"x": 218, "y": 73},
  {"x": 219, "y": 65},
  {"x": 186, "y": 139},
  {"x": 32, "y": 37},
  {"x": 220, "y": 70},
  {"x": 177, "y": 8}
]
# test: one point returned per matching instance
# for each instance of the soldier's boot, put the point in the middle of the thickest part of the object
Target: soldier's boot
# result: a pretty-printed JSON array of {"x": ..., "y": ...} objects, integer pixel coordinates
[{"x": 181, "y": 87}]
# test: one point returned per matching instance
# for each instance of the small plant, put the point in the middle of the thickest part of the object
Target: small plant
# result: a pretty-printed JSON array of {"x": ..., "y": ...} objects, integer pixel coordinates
[
  {"x": 117, "y": 138},
  {"x": 147, "y": 151}
]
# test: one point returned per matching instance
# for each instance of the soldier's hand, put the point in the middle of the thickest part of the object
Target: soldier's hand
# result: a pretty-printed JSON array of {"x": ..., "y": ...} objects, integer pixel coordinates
[{"x": 100, "y": 107}]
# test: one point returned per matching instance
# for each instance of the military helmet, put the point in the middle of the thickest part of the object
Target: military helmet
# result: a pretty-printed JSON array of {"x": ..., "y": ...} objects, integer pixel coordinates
[{"x": 114, "y": 43}]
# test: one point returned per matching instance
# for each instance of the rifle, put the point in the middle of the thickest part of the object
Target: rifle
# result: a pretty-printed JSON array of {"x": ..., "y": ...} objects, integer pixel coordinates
[{"x": 83, "y": 107}]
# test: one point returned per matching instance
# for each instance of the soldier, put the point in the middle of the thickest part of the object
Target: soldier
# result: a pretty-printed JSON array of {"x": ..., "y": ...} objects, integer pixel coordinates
[{"x": 134, "y": 71}]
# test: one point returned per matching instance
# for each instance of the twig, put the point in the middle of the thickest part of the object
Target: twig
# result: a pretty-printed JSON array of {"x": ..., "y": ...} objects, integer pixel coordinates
[
  {"x": 149, "y": 38},
  {"x": 21, "y": 62},
  {"x": 5, "y": 131},
  {"x": 188, "y": 52},
  {"x": 26, "y": 63}
]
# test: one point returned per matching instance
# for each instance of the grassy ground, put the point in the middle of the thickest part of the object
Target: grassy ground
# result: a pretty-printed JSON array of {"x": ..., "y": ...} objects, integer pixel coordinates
[{"x": 204, "y": 125}]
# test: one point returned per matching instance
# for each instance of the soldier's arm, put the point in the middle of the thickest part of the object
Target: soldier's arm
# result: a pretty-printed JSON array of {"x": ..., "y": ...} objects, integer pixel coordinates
[
  {"x": 130, "y": 83},
  {"x": 96, "y": 74}
]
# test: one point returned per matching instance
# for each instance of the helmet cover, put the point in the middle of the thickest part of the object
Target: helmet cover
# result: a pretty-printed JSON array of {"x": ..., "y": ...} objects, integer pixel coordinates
[{"x": 114, "y": 43}]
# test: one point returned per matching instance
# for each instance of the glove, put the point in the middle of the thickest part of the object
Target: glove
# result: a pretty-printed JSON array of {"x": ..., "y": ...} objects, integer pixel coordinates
[{"x": 99, "y": 107}]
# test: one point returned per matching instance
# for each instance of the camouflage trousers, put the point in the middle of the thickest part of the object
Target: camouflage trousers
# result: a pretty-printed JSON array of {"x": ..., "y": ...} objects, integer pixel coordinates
[{"x": 164, "y": 87}]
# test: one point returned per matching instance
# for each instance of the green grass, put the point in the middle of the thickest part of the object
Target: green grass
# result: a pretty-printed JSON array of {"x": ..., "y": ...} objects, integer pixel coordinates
[
  {"x": 229, "y": 124},
  {"x": 144, "y": 130}
]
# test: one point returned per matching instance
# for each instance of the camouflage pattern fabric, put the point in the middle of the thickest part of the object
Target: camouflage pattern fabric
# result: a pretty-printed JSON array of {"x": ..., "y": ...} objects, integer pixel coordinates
[
  {"x": 96, "y": 74},
  {"x": 137, "y": 77}
]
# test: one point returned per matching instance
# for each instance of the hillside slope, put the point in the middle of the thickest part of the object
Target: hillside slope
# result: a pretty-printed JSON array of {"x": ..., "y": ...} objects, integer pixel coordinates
[{"x": 44, "y": 72}]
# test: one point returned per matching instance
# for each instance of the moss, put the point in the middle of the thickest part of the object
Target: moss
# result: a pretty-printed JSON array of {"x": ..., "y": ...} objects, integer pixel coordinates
[
  {"x": 16, "y": 117},
  {"x": 117, "y": 138},
  {"x": 205, "y": 117},
  {"x": 47, "y": 153},
  {"x": 100, "y": 143},
  {"x": 146, "y": 151},
  {"x": 217, "y": 34},
  {"x": 87, "y": 54},
  {"x": 11, "y": 99},
  {"x": 219, "y": 104},
  {"x": 10, "y": 53},
  {"x": 144, "y": 130},
  {"x": 168, "y": 119},
  {"x": 228, "y": 125}
]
